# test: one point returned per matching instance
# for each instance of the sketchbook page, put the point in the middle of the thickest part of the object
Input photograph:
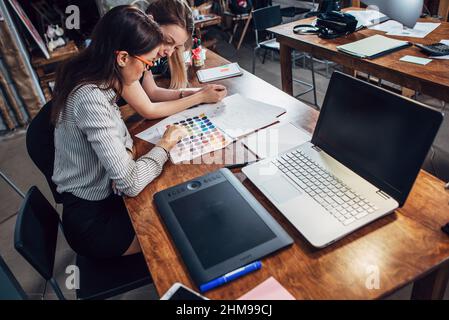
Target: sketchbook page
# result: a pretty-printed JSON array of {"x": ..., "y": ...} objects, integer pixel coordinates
[
  {"x": 233, "y": 112},
  {"x": 240, "y": 116},
  {"x": 276, "y": 139},
  {"x": 268, "y": 109}
]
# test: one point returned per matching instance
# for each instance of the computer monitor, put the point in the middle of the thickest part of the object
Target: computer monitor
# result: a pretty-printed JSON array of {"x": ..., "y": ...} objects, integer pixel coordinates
[
  {"x": 406, "y": 12},
  {"x": 324, "y": 7}
]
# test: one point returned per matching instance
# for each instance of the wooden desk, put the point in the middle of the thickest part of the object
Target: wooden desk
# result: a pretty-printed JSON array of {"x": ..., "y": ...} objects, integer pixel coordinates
[
  {"x": 432, "y": 79},
  {"x": 200, "y": 25},
  {"x": 404, "y": 246}
]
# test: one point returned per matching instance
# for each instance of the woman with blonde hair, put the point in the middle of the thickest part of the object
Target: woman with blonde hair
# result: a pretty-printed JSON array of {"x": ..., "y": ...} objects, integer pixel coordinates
[{"x": 147, "y": 98}]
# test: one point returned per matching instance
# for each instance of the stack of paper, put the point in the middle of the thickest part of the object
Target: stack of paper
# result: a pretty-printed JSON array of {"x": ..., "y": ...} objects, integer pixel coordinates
[
  {"x": 394, "y": 28},
  {"x": 373, "y": 47}
]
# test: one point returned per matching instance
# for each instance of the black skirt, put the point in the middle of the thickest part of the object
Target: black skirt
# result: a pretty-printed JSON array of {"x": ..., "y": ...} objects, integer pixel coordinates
[{"x": 97, "y": 229}]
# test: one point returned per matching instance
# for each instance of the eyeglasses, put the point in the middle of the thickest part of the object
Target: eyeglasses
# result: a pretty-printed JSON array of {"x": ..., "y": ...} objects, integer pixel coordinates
[{"x": 147, "y": 64}]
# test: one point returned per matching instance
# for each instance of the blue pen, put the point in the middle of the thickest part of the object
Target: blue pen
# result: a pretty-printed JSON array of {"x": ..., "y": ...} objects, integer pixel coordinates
[{"x": 231, "y": 276}]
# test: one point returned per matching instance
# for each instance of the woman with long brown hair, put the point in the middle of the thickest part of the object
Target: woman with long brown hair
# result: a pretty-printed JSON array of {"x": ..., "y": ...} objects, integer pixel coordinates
[
  {"x": 176, "y": 22},
  {"x": 94, "y": 158}
]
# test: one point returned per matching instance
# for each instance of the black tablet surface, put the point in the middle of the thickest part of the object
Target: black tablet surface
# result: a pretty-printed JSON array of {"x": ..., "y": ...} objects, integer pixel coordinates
[{"x": 217, "y": 225}]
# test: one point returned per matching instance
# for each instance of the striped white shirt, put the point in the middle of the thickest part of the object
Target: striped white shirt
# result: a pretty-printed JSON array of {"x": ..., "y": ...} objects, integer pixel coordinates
[{"x": 91, "y": 143}]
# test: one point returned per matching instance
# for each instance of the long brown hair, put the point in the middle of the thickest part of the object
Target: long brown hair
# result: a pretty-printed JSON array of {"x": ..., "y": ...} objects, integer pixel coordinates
[
  {"x": 124, "y": 28},
  {"x": 177, "y": 12}
]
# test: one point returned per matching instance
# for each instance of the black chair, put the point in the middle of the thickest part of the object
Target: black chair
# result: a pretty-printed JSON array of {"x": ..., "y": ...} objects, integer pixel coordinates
[
  {"x": 100, "y": 278},
  {"x": 263, "y": 19},
  {"x": 10, "y": 289},
  {"x": 35, "y": 239},
  {"x": 41, "y": 146}
]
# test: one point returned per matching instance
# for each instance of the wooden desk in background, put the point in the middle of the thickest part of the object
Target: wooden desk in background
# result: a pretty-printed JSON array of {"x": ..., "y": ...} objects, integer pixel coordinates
[
  {"x": 405, "y": 246},
  {"x": 443, "y": 9},
  {"x": 200, "y": 25},
  {"x": 432, "y": 79}
]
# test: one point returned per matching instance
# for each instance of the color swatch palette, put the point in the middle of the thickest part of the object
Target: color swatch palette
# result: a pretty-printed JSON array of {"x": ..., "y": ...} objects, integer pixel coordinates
[{"x": 204, "y": 137}]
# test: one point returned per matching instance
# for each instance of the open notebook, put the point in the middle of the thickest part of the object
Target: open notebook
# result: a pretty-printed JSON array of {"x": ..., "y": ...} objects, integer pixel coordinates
[{"x": 373, "y": 47}]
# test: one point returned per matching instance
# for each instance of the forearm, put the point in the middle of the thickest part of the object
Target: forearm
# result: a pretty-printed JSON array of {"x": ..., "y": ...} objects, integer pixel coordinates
[
  {"x": 138, "y": 99},
  {"x": 158, "y": 94},
  {"x": 167, "y": 108},
  {"x": 141, "y": 172}
]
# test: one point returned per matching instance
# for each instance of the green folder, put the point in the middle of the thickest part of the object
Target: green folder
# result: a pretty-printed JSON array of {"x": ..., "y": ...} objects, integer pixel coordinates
[{"x": 373, "y": 47}]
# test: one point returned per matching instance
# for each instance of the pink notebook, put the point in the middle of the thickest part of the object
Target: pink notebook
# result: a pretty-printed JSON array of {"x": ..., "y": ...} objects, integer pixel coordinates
[{"x": 270, "y": 289}]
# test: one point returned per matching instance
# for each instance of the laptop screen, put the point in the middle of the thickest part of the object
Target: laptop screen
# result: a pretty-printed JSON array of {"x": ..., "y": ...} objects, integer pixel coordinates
[{"x": 379, "y": 135}]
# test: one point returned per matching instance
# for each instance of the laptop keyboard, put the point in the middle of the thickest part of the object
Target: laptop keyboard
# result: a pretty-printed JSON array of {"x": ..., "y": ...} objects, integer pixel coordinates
[{"x": 331, "y": 193}]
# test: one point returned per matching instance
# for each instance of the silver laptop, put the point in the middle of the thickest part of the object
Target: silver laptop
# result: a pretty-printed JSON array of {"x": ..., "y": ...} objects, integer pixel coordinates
[{"x": 364, "y": 156}]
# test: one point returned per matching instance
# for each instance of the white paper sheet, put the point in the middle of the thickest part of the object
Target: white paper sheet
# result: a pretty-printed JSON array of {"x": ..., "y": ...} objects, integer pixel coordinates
[
  {"x": 235, "y": 114},
  {"x": 416, "y": 60},
  {"x": 387, "y": 26},
  {"x": 394, "y": 28},
  {"x": 276, "y": 139},
  {"x": 240, "y": 116}
]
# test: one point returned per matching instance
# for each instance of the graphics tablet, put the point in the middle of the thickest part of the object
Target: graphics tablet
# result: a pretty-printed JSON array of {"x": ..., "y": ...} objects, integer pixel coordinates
[{"x": 217, "y": 225}]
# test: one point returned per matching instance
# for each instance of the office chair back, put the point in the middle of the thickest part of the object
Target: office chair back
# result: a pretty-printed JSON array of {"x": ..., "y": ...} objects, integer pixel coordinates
[
  {"x": 267, "y": 17},
  {"x": 10, "y": 288},
  {"x": 41, "y": 146},
  {"x": 36, "y": 233},
  {"x": 35, "y": 239}
]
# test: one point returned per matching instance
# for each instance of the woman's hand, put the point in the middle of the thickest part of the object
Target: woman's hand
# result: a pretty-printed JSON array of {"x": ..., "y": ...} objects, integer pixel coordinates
[
  {"x": 115, "y": 190},
  {"x": 212, "y": 93},
  {"x": 132, "y": 153},
  {"x": 171, "y": 136}
]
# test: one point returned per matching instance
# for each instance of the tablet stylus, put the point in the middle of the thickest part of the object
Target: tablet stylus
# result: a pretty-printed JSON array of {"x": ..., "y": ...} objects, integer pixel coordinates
[{"x": 231, "y": 276}]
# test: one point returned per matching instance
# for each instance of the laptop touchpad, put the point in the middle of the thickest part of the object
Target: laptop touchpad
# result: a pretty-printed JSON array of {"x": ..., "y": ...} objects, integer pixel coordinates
[{"x": 280, "y": 189}]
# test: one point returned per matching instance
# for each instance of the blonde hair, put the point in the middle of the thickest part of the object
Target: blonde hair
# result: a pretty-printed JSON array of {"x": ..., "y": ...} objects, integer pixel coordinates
[
  {"x": 178, "y": 72},
  {"x": 177, "y": 12}
]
